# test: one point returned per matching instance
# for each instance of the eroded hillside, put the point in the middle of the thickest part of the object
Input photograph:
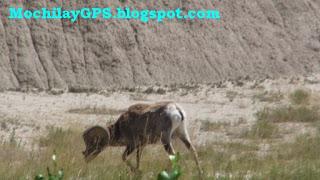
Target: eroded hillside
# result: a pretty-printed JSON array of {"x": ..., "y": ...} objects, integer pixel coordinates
[{"x": 253, "y": 39}]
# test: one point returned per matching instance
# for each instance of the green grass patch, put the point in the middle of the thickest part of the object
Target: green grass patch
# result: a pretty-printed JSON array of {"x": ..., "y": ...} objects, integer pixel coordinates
[
  {"x": 299, "y": 97},
  {"x": 262, "y": 129},
  {"x": 224, "y": 159},
  {"x": 297, "y": 160},
  {"x": 206, "y": 125},
  {"x": 18, "y": 163},
  {"x": 289, "y": 114}
]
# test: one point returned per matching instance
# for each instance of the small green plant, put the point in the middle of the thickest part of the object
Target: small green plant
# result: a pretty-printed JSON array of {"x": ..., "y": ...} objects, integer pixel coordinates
[
  {"x": 299, "y": 97},
  {"x": 176, "y": 169},
  {"x": 231, "y": 95},
  {"x": 52, "y": 175},
  {"x": 262, "y": 129}
]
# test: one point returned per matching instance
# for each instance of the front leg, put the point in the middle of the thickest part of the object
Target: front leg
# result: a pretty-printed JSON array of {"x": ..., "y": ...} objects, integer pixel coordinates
[
  {"x": 129, "y": 149},
  {"x": 139, "y": 152},
  {"x": 191, "y": 148}
]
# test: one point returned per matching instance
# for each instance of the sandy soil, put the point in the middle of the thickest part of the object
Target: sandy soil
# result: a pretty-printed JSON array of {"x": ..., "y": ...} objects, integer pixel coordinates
[{"x": 26, "y": 116}]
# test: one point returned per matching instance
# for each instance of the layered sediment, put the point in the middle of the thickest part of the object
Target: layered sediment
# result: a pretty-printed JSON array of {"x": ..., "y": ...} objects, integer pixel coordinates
[{"x": 253, "y": 39}]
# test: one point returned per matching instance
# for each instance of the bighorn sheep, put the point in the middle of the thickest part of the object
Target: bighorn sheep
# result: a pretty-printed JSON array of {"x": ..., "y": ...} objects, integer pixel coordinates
[{"x": 140, "y": 125}]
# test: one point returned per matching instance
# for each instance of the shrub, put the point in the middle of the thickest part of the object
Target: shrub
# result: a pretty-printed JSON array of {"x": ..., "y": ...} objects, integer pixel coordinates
[
  {"x": 269, "y": 96},
  {"x": 299, "y": 97},
  {"x": 176, "y": 170}
]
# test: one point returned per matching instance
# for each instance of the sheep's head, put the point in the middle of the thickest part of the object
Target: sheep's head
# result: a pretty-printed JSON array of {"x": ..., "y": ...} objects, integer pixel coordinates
[{"x": 96, "y": 139}]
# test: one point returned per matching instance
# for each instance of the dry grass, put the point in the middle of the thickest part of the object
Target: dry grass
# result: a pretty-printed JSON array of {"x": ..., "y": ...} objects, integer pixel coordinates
[
  {"x": 297, "y": 160},
  {"x": 269, "y": 96},
  {"x": 286, "y": 161},
  {"x": 264, "y": 126},
  {"x": 138, "y": 97},
  {"x": 96, "y": 110},
  {"x": 68, "y": 145},
  {"x": 262, "y": 129},
  {"x": 290, "y": 114}
]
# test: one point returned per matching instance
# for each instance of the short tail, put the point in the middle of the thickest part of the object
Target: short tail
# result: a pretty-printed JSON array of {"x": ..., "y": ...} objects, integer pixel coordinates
[{"x": 181, "y": 112}]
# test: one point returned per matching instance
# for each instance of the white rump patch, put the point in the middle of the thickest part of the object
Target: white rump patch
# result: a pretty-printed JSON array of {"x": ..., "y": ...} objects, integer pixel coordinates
[{"x": 175, "y": 116}]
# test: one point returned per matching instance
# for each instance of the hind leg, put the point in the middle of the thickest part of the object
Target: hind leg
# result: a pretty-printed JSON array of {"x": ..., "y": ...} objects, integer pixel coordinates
[
  {"x": 166, "y": 141},
  {"x": 184, "y": 137},
  {"x": 191, "y": 148},
  {"x": 169, "y": 149}
]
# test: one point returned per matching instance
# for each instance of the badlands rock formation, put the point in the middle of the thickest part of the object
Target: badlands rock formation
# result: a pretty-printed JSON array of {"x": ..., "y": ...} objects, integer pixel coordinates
[{"x": 254, "y": 38}]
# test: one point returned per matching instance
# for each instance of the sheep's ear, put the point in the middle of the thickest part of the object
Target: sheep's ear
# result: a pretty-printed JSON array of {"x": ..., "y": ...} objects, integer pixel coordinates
[{"x": 96, "y": 139}]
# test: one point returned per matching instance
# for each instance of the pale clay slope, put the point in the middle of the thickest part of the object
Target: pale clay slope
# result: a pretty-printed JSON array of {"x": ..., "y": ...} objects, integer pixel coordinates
[
  {"x": 253, "y": 39},
  {"x": 30, "y": 114}
]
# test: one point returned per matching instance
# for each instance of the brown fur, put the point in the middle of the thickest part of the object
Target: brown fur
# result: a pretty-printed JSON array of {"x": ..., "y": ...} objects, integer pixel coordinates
[{"x": 140, "y": 125}]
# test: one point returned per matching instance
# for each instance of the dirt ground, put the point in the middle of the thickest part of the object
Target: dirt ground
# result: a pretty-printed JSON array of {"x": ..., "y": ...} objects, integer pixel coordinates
[{"x": 216, "y": 113}]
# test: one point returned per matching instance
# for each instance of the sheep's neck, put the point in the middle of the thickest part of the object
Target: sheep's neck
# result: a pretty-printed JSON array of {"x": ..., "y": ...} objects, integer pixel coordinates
[{"x": 115, "y": 138}]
